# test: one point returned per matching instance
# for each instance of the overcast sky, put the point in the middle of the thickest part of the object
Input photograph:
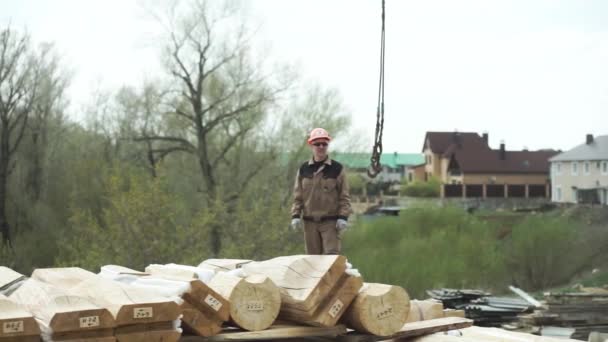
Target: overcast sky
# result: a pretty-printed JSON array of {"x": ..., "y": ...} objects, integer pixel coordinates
[{"x": 533, "y": 73}]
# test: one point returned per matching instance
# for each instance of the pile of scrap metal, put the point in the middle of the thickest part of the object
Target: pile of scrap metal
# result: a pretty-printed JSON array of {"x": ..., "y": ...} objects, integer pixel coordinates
[
  {"x": 482, "y": 307},
  {"x": 577, "y": 313}
]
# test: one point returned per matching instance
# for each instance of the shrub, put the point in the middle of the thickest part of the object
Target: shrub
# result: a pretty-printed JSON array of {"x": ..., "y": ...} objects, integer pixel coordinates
[{"x": 431, "y": 188}]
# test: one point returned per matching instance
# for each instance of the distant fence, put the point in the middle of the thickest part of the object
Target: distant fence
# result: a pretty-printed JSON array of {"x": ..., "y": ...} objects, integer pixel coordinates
[{"x": 495, "y": 191}]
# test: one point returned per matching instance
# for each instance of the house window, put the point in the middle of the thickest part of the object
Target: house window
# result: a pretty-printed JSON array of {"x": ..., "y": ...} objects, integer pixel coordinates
[
  {"x": 557, "y": 194},
  {"x": 410, "y": 177},
  {"x": 558, "y": 168},
  {"x": 586, "y": 168},
  {"x": 574, "y": 168},
  {"x": 605, "y": 168}
]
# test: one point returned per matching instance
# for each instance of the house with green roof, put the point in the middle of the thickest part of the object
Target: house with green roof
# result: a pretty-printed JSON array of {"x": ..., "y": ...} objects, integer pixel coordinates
[{"x": 394, "y": 165}]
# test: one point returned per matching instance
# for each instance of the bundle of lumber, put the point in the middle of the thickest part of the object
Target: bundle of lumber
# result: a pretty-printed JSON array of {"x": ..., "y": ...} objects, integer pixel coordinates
[
  {"x": 584, "y": 311},
  {"x": 315, "y": 289},
  {"x": 252, "y": 303},
  {"x": 16, "y": 324},
  {"x": 203, "y": 310},
  {"x": 62, "y": 315},
  {"x": 139, "y": 314}
]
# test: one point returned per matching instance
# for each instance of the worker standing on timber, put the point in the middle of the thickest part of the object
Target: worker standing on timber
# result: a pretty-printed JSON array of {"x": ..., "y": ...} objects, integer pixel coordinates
[{"x": 321, "y": 198}]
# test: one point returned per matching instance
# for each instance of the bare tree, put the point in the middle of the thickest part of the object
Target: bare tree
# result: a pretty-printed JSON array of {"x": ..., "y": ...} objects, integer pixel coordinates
[
  {"x": 18, "y": 88},
  {"x": 48, "y": 105},
  {"x": 221, "y": 95}
]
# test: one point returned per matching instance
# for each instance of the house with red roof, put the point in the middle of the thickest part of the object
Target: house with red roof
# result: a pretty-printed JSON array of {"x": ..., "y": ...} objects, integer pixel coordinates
[{"x": 467, "y": 166}]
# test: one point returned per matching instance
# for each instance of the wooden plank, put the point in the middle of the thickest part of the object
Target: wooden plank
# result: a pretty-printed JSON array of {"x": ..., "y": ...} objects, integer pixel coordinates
[
  {"x": 105, "y": 335},
  {"x": 453, "y": 313},
  {"x": 422, "y": 310},
  {"x": 146, "y": 336},
  {"x": 413, "y": 329},
  {"x": 275, "y": 332},
  {"x": 501, "y": 335},
  {"x": 15, "y": 322},
  {"x": 161, "y": 332},
  {"x": 442, "y": 337}
]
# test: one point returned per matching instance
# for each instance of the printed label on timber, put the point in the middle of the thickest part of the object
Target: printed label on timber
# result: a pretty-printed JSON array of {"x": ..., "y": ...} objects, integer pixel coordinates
[
  {"x": 213, "y": 302},
  {"x": 140, "y": 313},
  {"x": 12, "y": 327},
  {"x": 384, "y": 313},
  {"x": 89, "y": 322},
  {"x": 255, "y": 305},
  {"x": 336, "y": 308}
]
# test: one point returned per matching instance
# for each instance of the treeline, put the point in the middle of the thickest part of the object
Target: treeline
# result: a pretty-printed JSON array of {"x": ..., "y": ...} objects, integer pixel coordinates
[
  {"x": 431, "y": 247},
  {"x": 197, "y": 161}
]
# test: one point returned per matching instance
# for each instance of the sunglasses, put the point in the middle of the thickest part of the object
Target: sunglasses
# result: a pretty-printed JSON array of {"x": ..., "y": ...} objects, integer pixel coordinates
[{"x": 323, "y": 144}]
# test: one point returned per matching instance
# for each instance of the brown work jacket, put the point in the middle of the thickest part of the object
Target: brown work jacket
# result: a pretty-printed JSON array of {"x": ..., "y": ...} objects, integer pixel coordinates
[{"x": 322, "y": 194}]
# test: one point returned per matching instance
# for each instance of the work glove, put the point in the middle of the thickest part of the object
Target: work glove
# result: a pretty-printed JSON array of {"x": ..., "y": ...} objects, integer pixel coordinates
[
  {"x": 341, "y": 226},
  {"x": 296, "y": 223}
]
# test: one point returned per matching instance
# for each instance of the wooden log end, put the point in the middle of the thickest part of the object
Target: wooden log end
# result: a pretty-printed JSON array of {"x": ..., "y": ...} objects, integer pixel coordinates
[{"x": 379, "y": 309}]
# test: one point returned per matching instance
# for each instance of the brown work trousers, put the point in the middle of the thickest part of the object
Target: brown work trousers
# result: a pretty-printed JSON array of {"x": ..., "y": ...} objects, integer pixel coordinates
[{"x": 322, "y": 237}]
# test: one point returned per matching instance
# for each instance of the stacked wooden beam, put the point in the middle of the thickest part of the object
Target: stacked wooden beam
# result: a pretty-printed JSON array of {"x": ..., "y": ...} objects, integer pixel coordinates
[
  {"x": 315, "y": 289},
  {"x": 139, "y": 314},
  {"x": 16, "y": 324},
  {"x": 583, "y": 311},
  {"x": 252, "y": 302},
  {"x": 62, "y": 315},
  {"x": 204, "y": 310}
]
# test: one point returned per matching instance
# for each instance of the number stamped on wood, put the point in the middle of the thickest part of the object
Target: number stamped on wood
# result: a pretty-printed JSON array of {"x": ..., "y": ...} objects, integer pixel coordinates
[
  {"x": 213, "y": 302},
  {"x": 12, "y": 327},
  {"x": 89, "y": 322},
  {"x": 255, "y": 305},
  {"x": 385, "y": 313},
  {"x": 141, "y": 313},
  {"x": 336, "y": 308}
]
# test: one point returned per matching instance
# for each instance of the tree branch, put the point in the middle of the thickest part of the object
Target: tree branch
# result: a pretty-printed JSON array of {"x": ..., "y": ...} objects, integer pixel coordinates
[
  {"x": 182, "y": 141},
  {"x": 227, "y": 115},
  {"x": 234, "y": 139}
]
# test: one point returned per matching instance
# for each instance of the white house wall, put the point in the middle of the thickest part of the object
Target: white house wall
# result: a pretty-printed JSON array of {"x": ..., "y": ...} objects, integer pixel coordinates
[{"x": 566, "y": 177}]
